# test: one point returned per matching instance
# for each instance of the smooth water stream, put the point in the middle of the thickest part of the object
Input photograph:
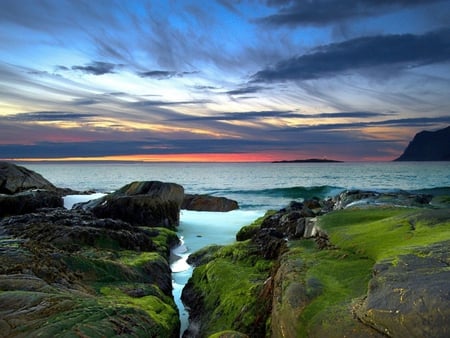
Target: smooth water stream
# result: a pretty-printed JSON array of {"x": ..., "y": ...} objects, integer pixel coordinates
[{"x": 198, "y": 229}]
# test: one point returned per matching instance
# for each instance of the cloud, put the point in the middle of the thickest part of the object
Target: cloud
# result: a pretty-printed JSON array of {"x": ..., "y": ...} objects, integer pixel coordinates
[
  {"x": 97, "y": 68},
  {"x": 403, "y": 122},
  {"x": 323, "y": 12},
  {"x": 399, "y": 51},
  {"x": 160, "y": 103},
  {"x": 245, "y": 90},
  {"x": 254, "y": 115},
  {"x": 234, "y": 116},
  {"x": 84, "y": 101},
  {"x": 48, "y": 116},
  {"x": 164, "y": 74}
]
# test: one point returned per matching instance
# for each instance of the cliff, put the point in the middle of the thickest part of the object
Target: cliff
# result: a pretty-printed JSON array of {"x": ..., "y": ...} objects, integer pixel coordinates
[{"x": 428, "y": 146}]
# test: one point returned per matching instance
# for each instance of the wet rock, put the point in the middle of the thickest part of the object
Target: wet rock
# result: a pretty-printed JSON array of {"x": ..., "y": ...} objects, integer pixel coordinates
[
  {"x": 68, "y": 271},
  {"x": 147, "y": 203},
  {"x": 208, "y": 203},
  {"x": 15, "y": 179},
  {"x": 411, "y": 297},
  {"x": 28, "y": 201},
  {"x": 359, "y": 198}
]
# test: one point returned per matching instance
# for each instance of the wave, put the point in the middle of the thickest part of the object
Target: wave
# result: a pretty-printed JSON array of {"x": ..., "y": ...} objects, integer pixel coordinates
[
  {"x": 294, "y": 192},
  {"x": 438, "y": 191}
]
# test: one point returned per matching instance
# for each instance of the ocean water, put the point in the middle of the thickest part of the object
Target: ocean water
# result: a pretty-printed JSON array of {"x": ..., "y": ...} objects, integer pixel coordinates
[
  {"x": 256, "y": 186},
  {"x": 253, "y": 185}
]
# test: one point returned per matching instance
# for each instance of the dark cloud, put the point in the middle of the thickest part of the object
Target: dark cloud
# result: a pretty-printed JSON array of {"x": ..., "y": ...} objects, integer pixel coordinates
[
  {"x": 234, "y": 116},
  {"x": 245, "y": 90},
  {"x": 84, "y": 101},
  {"x": 405, "y": 122},
  {"x": 252, "y": 115},
  {"x": 160, "y": 103},
  {"x": 399, "y": 51},
  {"x": 97, "y": 68},
  {"x": 164, "y": 74},
  {"x": 48, "y": 116},
  {"x": 351, "y": 114},
  {"x": 323, "y": 12}
]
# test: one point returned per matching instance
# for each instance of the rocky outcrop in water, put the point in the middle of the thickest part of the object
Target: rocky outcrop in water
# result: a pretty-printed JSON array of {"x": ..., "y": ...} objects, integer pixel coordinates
[
  {"x": 362, "y": 264},
  {"x": 208, "y": 203},
  {"x": 428, "y": 146},
  {"x": 147, "y": 203},
  {"x": 15, "y": 179}
]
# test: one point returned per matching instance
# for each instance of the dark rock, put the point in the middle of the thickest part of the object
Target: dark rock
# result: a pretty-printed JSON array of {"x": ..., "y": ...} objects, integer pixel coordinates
[
  {"x": 358, "y": 198},
  {"x": 153, "y": 189},
  {"x": 270, "y": 242},
  {"x": 208, "y": 203},
  {"x": 411, "y": 297},
  {"x": 148, "y": 203},
  {"x": 29, "y": 201},
  {"x": 428, "y": 146},
  {"x": 68, "y": 271},
  {"x": 203, "y": 255},
  {"x": 71, "y": 229},
  {"x": 14, "y": 179}
]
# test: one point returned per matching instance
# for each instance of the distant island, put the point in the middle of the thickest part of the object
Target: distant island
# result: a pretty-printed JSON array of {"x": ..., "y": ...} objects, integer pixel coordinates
[
  {"x": 428, "y": 146},
  {"x": 310, "y": 160}
]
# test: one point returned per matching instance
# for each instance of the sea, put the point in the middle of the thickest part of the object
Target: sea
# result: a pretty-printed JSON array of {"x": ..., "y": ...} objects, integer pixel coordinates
[{"x": 257, "y": 187}]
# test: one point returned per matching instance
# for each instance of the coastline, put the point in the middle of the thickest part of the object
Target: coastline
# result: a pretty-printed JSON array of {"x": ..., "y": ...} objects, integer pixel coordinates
[{"x": 95, "y": 261}]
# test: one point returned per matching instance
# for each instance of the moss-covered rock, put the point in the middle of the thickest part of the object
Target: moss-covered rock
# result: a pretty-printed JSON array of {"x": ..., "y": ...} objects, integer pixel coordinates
[
  {"x": 384, "y": 276},
  {"x": 67, "y": 274},
  {"x": 371, "y": 270},
  {"x": 229, "y": 292}
]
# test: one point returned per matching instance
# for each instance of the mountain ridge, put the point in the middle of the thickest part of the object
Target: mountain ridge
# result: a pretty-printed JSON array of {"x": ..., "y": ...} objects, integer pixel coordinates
[{"x": 428, "y": 146}]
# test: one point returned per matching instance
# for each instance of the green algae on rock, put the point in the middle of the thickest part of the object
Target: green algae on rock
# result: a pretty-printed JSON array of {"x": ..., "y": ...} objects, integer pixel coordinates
[
  {"x": 372, "y": 270},
  {"x": 66, "y": 273}
]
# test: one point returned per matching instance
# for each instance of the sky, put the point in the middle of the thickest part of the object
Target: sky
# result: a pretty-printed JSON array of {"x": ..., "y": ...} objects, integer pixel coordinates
[{"x": 224, "y": 80}]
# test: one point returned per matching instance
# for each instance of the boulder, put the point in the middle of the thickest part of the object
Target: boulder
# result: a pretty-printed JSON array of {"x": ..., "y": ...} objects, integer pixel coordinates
[
  {"x": 29, "y": 201},
  {"x": 14, "y": 179},
  {"x": 360, "y": 198},
  {"x": 410, "y": 298},
  {"x": 208, "y": 203},
  {"x": 147, "y": 203}
]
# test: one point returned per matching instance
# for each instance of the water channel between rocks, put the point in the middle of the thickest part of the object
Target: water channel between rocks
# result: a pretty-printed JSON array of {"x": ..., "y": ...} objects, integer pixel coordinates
[{"x": 198, "y": 229}]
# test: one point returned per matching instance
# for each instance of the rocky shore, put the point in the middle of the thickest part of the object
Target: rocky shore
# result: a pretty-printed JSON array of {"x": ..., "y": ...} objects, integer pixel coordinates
[
  {"x": 100, "y": 269},
  {"x": 361, "y": 264}
]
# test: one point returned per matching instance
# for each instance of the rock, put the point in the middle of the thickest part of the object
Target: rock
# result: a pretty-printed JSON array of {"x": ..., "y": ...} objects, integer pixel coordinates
[
  {"x": 153, "y": 189},
  {"x": 28, "y": 201},
  {"x": 360, "y": 199},
  {"x": 148, "y": 203},
  {"x": 14, "y": 179},
  {"x": 411, "y": 297},
  {"x": 428, "y": 146},
  {"x": 208, "y": 203},
  {"x": 71, "y": 230},
  {"x": 68, "y": 271},
  {"x": 312, "y": 273}
]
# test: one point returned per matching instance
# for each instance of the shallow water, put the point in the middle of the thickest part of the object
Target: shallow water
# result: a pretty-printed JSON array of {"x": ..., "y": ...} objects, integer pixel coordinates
[{"x": 197, "y": 230}]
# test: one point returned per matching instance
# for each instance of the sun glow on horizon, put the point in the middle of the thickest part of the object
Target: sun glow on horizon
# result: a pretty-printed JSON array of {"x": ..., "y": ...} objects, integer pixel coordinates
[{"x": 192, "y": 157}]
